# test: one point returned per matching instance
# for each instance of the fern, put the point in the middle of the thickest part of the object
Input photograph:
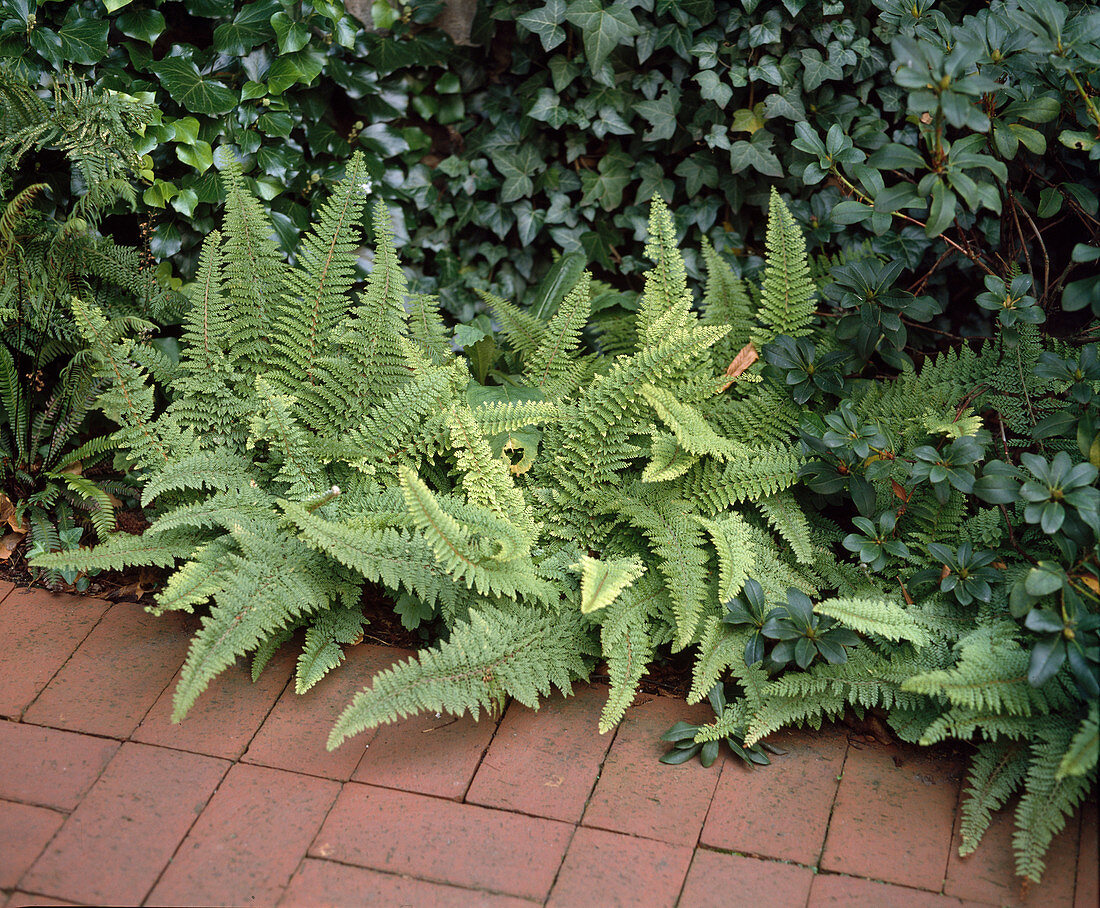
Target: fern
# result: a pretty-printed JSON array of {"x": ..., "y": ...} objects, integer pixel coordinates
[
  {"x": 603, "y": 581},
  {"x": 493, "y": 653},
  {"x": 877, "y": 617},
  {"x": 787, "y": 294}
]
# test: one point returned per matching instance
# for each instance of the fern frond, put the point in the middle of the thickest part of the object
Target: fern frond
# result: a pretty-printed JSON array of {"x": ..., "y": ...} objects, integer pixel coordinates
[
  {"x": 991, "y": 676},
  {"x": 123, "y": 550},
  {"x": 997, "y": 770},
  {"x": 787, "y": 293},
  {"x": 666, "y": 300},
  {"x": 1047, "y": 803},
  {"x": 384, "y": 555},
  {"x": 715, "y": 486},
  {"x": 720, "y": 648},
  {"x": 677, "y": 544},
  {"x": 786, "y": 517},
  {"x": 315, "y": 301},
  {"x": 426, "y": 328},
  {"x": 202, "y": 577},
  {"x": 874, "y": 617},
  {"x": 553, "y": 367},
  {"x": 525, "y": 332},
  {"x": 257, "y": 597},
  {"x": 255, "y": 275},
  {"x": 736, "y": 553},
  {"x": 379, "y": 319},
  {"x": 323, "y": 650},
  {"x": 667, "y": 459},
  {"x": 215, "y": 470},
  {"x": 691, "y": 429},
  {"x": 486, "y": 479},
  {"x": 628, "y": 644},
  {"x": 725, "y": 302},
  {"x": 1081, "y": 755},
  {"x": 497, "y": 417},
  {"x": 603, "y": 580},
  {"x": 493, "y": 655}
]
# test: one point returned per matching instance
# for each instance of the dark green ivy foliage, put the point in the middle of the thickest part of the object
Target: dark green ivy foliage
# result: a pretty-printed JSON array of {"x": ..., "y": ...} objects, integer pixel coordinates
[
  {"x": 47, "y": 257},
  {"x": 925, "y": 130},
  {"x": 292, "y": 87}
]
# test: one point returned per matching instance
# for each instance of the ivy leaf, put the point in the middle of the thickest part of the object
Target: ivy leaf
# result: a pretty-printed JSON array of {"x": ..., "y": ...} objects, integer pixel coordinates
[
  {"x": 749, "y": 119},
  {"x": 756, "y": 154},
  {"x": 529, "y": 221},
  {"x": 696, "y": 174},
  {"x": 292, "y": 36},
  {"x": 548, "y": 109},
  {"x": 712, "y": 88},
  {"x": 291, "y": 69},
  {"x": 198, "y": 155},
  {"x": 815, "y": 70},
  {"x": 517, "y": 167},
  {"x": 603, "y": 29},
  {"x": 660, "y": 113},
  {"x": 250, "y": 27},
  {"x": 384, "y": 139},
  {"x": 48, "y": 43},
  {"x": 192, "y": 90},
  {"x": 606, "y": 185},
  {"x": 141, "y": 25},
  {"x": 546, "y": 23},
  {"x": 84, "y": 40},
  {"x": 942, "y": 212}
]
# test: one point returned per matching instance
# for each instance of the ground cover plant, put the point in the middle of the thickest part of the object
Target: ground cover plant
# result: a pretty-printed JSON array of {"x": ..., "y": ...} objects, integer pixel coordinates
[
  {"x": 861, "y": 480},
  {"x": 655, "y": 486}
]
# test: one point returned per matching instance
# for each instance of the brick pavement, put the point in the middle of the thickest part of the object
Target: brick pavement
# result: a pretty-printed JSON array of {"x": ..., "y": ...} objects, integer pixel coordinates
[{"x": 103, "y": 801}]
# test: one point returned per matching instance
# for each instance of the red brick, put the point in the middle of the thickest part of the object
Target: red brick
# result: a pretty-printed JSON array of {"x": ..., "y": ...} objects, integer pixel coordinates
[
  {"x": 639, "y": 795},
  {"x": 619, "y": 869},
  {"x": 49, "y": 767},
  {"x": 428, "y": 754},
  {"x": 114, "y": 846},
  {"x": 24, "y": 832},
  {"x": 320, "y": 884},
  {"x": 893, "y": 817},
  {"x": 1087, "y": 893},
  {"x": 989, "y": 873},
  {"x": 248, "y": 841},
  {"x": 544, "y": 763},
  {"x": 40, "y": 630},
  {"x": 781, "y": 810},
  {"x": 439, "y": 840},
  {"x": 830, "y": 889},
  {"x": 226, "y": 715},
  {"x": 714, "y": 877},
  {"x": 116, "y": 674},
  {"x": 296, "y": 730}
]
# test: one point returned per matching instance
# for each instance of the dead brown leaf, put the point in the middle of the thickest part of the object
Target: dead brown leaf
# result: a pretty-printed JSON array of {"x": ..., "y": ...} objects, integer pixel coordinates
[
  {"x": 8, "y": 544},
  {"x": 745, "y": 357},
  {"x": 8, "y": 516},
  {"x": 132, "y": 592}
]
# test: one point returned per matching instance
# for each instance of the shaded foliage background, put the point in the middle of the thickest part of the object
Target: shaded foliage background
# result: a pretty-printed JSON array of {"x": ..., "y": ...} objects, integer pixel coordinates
[{"x": 555, "y": 127}]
